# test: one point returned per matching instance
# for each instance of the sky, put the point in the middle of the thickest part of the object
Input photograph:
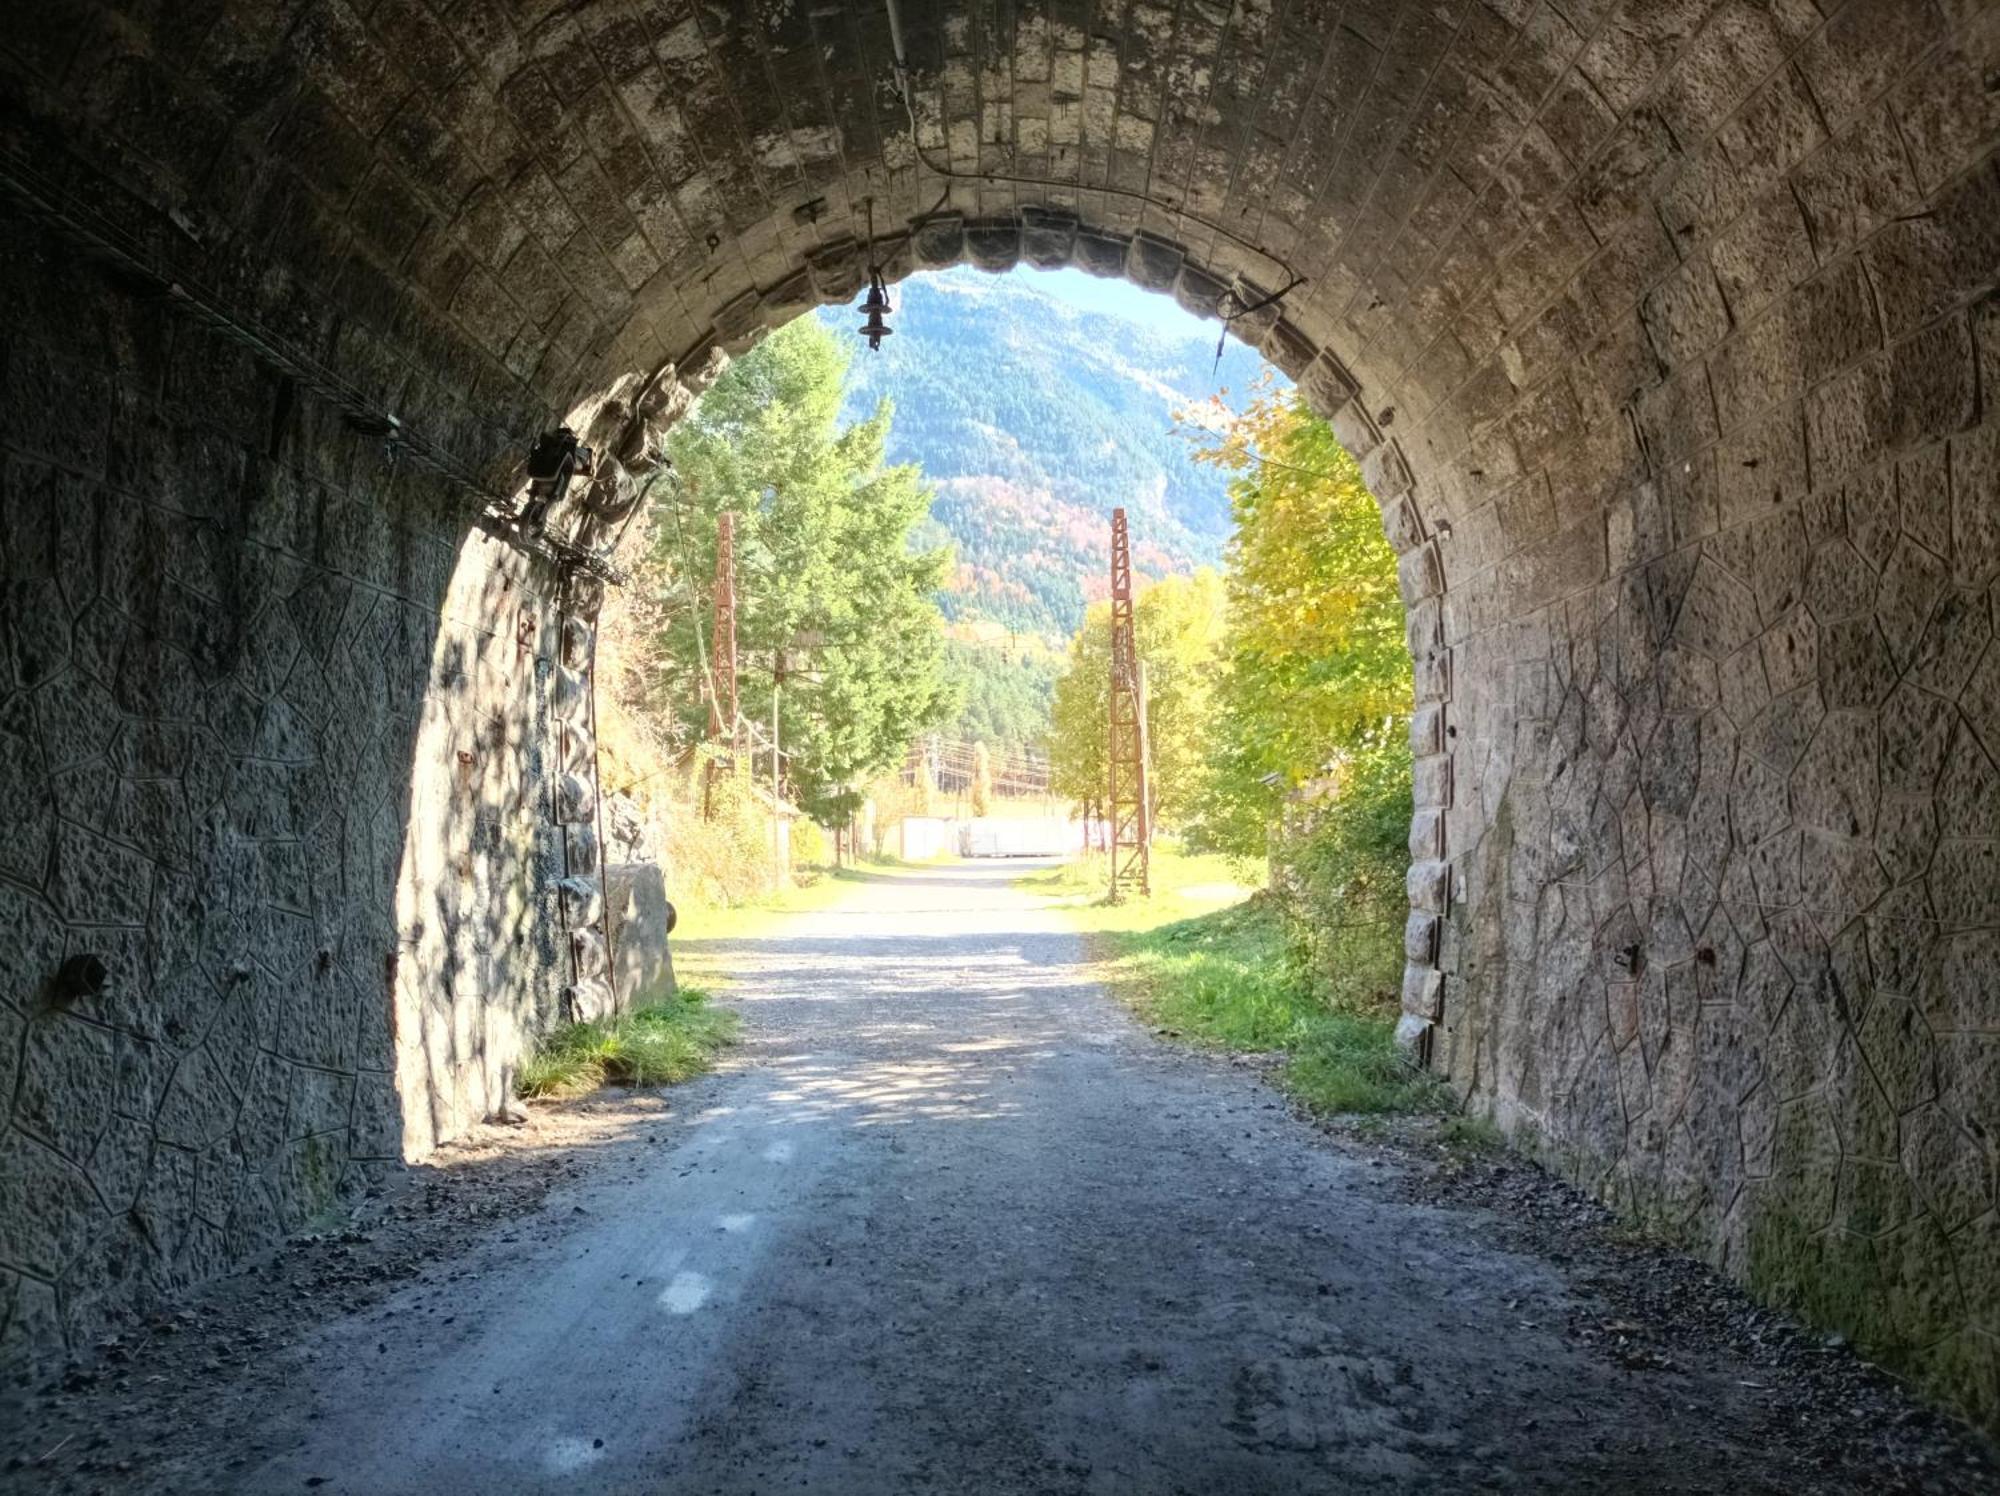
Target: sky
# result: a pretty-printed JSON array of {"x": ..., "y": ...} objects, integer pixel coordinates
[
  {"x": 1105, "y": 295},
  {"x": 1119, "y": 298}
]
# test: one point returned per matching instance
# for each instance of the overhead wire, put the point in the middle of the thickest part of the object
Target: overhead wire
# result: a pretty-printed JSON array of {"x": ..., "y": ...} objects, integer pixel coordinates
[{"x": 101, "y": 240}]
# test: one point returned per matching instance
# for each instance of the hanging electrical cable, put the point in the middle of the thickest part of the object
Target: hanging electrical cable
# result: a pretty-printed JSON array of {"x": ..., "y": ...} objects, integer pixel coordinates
[
  {"x": 688, "y": 575},
  {"x": 101, "y": 241},
  {"x": 875, "y": 306}
]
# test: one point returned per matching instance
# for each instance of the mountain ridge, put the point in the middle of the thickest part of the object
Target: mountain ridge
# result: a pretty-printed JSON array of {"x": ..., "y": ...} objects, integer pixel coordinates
[{"x": 1032, "y": 418}]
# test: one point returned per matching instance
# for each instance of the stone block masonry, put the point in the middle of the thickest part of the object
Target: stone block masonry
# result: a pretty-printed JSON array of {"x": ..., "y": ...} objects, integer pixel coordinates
[
  {"x": 274, "y": 750},
  {"x": 1665, "y": 334}
]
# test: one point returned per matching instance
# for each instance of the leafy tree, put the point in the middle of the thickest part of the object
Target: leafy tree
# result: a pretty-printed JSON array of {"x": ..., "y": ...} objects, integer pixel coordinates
[
  {"x": 982, "y": 780},
  {"x": 1315, "y": 668},
  {"x": 1177, "y": 624},
  {"x": 1079, "y": 715},
  {"x": 835, "y": 608}
]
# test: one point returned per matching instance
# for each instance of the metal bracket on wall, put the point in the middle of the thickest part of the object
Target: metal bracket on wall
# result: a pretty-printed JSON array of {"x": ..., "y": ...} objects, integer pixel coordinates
[{"x": 563, "y": 554}]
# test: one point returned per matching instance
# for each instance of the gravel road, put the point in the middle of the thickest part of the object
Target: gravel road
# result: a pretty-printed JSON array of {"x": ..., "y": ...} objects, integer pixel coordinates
[{"x": 952, "y": 1221}]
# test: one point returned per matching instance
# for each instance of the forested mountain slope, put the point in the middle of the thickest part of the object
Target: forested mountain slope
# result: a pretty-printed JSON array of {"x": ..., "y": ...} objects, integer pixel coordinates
[{"x": 1032, "y": 418}]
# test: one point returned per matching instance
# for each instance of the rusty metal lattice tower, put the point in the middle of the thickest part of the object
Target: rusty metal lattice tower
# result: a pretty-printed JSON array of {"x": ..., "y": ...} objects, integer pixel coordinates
[{"x": 1131, "y": 817}]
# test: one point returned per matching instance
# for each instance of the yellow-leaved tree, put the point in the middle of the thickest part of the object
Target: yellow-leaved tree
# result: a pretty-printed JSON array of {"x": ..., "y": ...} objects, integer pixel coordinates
[
  {"x": 1313, "y": 695},
  {"x": 982, "y": 780},
  {"x": 1315, "y": 673},
  {"x": 1177, "y": 623}
]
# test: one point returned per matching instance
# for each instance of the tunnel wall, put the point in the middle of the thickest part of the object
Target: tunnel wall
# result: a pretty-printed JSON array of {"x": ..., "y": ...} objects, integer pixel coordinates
[
  {"x": 1663, "y": 330},
  {"x": 272, "y": 745},
  {"x": 1721, "y": 812}
]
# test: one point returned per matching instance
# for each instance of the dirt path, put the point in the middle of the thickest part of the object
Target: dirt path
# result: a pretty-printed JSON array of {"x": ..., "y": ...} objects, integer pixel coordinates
[{"x": 952, "y": 1222}]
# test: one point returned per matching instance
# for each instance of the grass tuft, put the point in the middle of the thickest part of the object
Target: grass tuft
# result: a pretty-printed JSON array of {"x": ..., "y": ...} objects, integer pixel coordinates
[
  {"x": 1223, "y": 979},
  {"x": 1345, "y": 1063},
  {"x": 656, "y": 1045}
]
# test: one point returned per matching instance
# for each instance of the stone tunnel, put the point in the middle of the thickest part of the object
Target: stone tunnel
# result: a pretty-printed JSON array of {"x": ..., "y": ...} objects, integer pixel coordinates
[{"x": 1664, "y": 330}]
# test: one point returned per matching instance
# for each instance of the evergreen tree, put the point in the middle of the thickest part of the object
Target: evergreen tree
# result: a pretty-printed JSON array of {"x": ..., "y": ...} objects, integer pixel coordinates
[
  {"x": 836, "y": 610},
  {"x": 1006, "y": 690}
]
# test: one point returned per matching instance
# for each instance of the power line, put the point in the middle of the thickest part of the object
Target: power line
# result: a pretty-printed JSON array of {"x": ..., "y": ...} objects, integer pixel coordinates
[{"x": 102, "y": 241}]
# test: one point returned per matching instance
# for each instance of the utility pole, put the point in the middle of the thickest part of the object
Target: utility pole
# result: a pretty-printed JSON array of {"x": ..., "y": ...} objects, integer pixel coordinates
[
  {"x": 725, "y": 628},
  {"x": 1131, "y": 812},
  {"x": 777, "y": 805},
  {"x": 722, "y": 702}
]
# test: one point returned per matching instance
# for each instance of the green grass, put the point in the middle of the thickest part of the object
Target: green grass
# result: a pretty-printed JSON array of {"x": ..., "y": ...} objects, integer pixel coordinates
[
  {"x": 656, "y": 1045},
  {"x": 1225, "y": 977}
]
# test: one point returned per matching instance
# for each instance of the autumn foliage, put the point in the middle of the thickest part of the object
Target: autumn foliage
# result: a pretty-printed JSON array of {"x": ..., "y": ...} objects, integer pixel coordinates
[{"x": 1279, "y": 696}]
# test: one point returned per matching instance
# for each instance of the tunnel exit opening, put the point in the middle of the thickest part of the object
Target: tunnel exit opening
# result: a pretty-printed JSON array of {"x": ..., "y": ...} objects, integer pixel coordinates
[{"x": 1035, "y": 408}]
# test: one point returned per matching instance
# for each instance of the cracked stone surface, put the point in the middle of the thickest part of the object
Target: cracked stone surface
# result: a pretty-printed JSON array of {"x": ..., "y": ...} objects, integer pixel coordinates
[{"x": 1684, "y": 313}]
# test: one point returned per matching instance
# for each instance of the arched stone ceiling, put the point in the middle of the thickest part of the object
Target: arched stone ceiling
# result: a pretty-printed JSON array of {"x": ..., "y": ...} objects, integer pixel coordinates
[{"x": 1663, "y": 326}]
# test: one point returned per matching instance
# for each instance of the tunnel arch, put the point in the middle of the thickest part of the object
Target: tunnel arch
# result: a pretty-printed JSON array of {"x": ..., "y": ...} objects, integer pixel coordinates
[
  {"x": 1663, "y": 330},
  {"x": 1049, "y": 239}
]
